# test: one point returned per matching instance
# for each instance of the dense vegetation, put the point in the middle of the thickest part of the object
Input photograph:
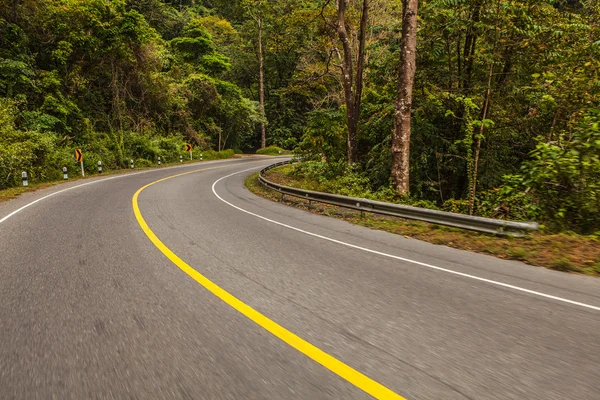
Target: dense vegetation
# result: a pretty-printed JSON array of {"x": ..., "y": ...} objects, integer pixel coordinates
[
  {"x": 118, "y": 79},
  {"x": 505, "y": 109}
]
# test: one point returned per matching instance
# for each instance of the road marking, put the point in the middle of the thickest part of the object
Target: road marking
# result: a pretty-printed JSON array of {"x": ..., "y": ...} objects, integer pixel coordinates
[
  {"x": 358, "y": 379},
  {"x": 100, "y": 181},
  {"x": 506, "y": 285}
]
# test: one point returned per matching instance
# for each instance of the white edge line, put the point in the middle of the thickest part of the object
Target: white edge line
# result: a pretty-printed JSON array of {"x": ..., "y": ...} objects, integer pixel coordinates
[
  {"x": 104, "y": 180},
  {"x": 506, "y": 285}
]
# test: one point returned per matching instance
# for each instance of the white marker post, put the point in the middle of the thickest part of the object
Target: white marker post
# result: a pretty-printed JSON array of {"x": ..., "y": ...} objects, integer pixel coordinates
[
  {"x": 191, "y": 155},
  {"x": 200, "y": 156},
  {"x": 99, "y": 167},
  {"x": 158, "y": 160},
  {"x": 180, "y": 159},
  {"x": 82, "y": 170},
  {"x": 131, "y": 161},
  {"x": 65, "y": 173},
  {"x": 24, "y": 178}
]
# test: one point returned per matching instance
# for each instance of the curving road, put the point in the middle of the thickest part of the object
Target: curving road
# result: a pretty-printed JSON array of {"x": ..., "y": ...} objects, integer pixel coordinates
[{"x": 99, "y": 302}]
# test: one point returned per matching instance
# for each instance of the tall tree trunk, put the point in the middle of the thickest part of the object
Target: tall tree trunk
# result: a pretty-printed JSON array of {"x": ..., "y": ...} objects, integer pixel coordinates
[
  {"x": 486, "y": 105},
  {"x": 347, "y": 78},
  {"x": 358, "y": 85},
  {"x": 261, "y": 84},
  {"x": 484, "y": 113},
  {"x": 352, "y": 84},
  {"x": 470, "y": 45},
  {"x": 408, "y": 67}
]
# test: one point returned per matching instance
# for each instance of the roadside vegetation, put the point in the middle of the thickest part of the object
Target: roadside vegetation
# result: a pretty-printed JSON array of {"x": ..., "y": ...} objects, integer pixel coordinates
[
  {"x": 74, "y": 174},
  {"x": 483, "y": 107},
  {"x": 121, "y": 80},
  {"x": 272, "y": 151},
  {"x": 568, "y": 252}
]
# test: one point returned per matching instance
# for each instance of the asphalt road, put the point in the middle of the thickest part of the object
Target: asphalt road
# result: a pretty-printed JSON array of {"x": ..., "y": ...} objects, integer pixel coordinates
[{"x": 91, "y": 308}]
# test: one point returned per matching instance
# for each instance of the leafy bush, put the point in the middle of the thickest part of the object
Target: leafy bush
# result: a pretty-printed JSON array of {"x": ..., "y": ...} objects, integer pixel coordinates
[
  {"x": 217, "y": 155},
  {"x": 507, "y": 203},
  {"x": 43, "y": 154},
  {"x": 226, "y": 153},
  {"x": 340, "y": 178},
  {"x": 270, "y": 151},
  {"x": 561, "y": 183}
]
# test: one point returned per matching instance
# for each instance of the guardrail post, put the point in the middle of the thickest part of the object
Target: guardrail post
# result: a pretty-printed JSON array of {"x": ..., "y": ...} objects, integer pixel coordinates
[
  {"x": 65, "y": 173},
  {"x": 24, "y": 178}
]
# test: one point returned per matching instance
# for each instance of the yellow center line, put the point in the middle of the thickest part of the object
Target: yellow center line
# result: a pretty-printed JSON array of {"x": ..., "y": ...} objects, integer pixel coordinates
[{"x": 348, "y": 373}]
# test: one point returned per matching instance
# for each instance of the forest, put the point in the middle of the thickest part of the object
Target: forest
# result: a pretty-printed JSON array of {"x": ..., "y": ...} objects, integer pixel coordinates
[{"x": 488, "y": 107}]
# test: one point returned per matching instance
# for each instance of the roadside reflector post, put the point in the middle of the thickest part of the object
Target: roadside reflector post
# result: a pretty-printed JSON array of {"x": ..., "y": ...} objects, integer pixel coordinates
[
  {"x": 99, "y": 167},
  {"x": 159, "y": 160},
  {"x": 180, "y": 159},
  {"x": 65, "y": 173},
  {"x": 200, "y": 156},
  {"x": 24, "y": 177},
  {"x": 131, "y": 162},
  {"x": 191, "y": 156}
]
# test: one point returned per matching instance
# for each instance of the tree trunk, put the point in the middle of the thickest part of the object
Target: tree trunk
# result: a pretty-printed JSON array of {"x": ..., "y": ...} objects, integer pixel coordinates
[
  {"x": 358, "y": 85},
  {"x": 408, "y": 67},
  {"x": 470, "y": 45},
  {"x": 261, "y": 84},
  {"x": 486, "y": 104},
  {"x": 352, "y": 84}
]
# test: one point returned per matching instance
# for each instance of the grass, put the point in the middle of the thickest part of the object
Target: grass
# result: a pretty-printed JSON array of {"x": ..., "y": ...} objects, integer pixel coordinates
[
  {"x": 561, "y": 252},
  {"x": 273, "y": 151}
]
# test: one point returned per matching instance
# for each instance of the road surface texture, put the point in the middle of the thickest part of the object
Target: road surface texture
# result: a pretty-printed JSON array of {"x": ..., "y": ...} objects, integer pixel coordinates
[{"x": 92, "y": 308}]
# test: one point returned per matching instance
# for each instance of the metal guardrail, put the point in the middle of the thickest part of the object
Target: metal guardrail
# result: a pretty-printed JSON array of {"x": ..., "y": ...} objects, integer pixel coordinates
[{"x": 478, "y": 224}]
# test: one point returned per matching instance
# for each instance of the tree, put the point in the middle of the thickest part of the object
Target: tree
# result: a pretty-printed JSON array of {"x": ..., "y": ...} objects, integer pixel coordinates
[
  {"x": 255, "y": 10},
  {"x": 352, "y": 83},
  {"x": 402, "y": 116}
]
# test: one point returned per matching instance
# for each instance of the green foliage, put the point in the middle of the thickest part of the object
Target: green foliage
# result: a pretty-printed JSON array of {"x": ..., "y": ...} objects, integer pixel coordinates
[
  {"x": 138, "y": 78},
  {"x": 340, "y": 178},
  {"x": 324, "y": 136},
  {"x": 270, "y": 151},
  {"x": 217, "y": 155},
  {"x": 563, "y": 177},
  {"x": 119, "y": 79}
]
